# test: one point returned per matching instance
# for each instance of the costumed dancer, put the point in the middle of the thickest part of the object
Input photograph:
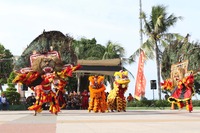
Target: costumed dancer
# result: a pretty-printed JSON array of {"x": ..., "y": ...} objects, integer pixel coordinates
[
  {"x": 181, "y": 89},
  {"x": 45, "y": 71},
  {"x": 116, "y": 99},
  {"x": 97, "y": 101}
]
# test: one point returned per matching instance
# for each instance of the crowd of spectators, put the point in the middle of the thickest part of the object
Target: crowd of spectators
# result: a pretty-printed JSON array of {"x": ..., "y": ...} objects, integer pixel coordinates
[
  {"x": 77, "y": 100},
  {"x": 74, "y": 100}
]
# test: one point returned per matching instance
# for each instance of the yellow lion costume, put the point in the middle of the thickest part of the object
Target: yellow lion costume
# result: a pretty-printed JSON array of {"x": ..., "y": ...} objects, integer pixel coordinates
[
  {"x": 97, "y": 94},
  {"x": 116, "y": 99}
]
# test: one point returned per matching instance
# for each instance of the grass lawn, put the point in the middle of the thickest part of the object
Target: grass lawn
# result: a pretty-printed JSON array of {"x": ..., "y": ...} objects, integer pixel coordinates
[{"x": 155, "y": 108}]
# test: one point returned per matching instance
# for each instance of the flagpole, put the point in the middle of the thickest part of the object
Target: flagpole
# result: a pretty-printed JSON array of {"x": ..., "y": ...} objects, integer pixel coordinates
[
  {"x": 140, "y": 80},
  {"x": 141, "y": 35}
]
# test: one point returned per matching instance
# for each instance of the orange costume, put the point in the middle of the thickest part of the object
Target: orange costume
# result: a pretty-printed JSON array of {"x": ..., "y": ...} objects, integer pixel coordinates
[{"x": 97, "y": 94}]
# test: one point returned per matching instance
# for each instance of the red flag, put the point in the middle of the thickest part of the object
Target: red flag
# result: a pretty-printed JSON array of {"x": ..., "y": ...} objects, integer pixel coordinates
[{"x": 140, "y": 79}]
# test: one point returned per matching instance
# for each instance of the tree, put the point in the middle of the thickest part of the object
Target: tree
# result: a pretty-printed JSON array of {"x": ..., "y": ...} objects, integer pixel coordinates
[
  {"x": 6, "y": 65},
  {"x": 11, "y": 94},
  {"x": 113, "y": 50},
  {"x": 88, "y": 49},
  {"x": 180, "y": 50},
  {"x": 156, "y": 29}
]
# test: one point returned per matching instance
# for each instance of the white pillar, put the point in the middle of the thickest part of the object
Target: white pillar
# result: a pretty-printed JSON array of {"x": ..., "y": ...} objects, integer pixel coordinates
[
  {"x": 22, "y": 93},
  {"x": 78, "y": 80}
]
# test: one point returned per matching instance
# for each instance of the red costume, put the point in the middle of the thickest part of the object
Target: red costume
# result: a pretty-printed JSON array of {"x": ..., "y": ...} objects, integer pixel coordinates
[
  {"x": 85, "y": 98},
  {"x": 183, "y": 93},
  {"x": 181, "y": 90},
  {"x": 42, "y": 76}
]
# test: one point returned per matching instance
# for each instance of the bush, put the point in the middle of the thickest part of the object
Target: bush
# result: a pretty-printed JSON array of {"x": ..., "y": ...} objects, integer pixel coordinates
[
  {"x": 147, "y": 103},
  {"x": 17, "y": 107},
  {"x": 13, "y": 97},
  {"x": 196, "y": 103},
  {"x": 11, "y": 94}
]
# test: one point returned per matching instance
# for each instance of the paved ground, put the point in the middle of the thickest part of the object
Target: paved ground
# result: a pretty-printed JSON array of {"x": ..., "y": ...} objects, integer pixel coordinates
[{"x": 80, "y": 121}]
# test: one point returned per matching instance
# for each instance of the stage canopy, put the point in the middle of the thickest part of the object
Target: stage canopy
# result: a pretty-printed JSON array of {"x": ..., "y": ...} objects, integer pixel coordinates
[{"x": 104, "y": 67}]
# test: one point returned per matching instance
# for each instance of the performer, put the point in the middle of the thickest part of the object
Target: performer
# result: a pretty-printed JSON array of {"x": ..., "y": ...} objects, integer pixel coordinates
[
  {"x": 46, "y": 71},
  {"x": 181, "y": 87},
  {"x": 85, "y": 98},
  {"x": 116, "y": 99},
  {"x": 97, "y": 94},
  {"x": 130, "y": 98}
]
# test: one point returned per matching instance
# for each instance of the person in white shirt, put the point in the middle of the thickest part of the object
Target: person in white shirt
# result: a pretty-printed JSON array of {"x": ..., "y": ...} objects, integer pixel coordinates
[{"x": 3, "y": 102}]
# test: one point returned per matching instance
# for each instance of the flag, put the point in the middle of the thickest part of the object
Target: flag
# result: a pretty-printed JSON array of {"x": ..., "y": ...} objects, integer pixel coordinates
[{"x": 140, "y": 79}]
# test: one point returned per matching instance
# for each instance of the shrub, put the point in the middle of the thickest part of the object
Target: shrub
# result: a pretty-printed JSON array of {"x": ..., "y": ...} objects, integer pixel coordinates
[
  {"x": 147, "y": 103},
  {"x": 11, "y": 94},
  {"x": 13, "y": 97}
]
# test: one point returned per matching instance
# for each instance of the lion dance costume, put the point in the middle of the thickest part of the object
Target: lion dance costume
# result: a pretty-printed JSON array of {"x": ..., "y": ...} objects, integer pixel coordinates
[
  {"x": 45, "y": 72},
  {"x": 181, "y": 87},
  {"x": 97, "y": 94},
  {"x": 116, "y": 99}
]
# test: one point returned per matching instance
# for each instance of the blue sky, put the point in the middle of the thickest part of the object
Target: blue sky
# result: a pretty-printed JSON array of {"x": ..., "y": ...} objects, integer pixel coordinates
[{"x": 115, "y": 20}]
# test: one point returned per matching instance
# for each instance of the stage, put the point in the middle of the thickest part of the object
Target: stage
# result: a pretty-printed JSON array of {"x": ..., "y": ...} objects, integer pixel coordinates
[{"x": 81, "y": 121}]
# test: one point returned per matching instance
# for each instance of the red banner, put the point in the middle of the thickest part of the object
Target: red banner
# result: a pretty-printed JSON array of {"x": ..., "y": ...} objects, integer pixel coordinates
[{"x": 140, "y": 79}]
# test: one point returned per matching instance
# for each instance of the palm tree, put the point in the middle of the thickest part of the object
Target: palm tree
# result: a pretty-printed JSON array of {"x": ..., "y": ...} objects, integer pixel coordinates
[
  {"x": 178, "y": 51},
  {"x": 113, "y": 50},
  {"x": 156, "y": 31}
]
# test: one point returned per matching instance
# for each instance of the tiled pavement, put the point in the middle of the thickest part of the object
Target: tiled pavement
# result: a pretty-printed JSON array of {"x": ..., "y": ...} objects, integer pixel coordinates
[{"x": 80, "y": 121}]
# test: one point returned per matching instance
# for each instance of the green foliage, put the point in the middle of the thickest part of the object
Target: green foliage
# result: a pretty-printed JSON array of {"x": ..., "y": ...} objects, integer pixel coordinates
[
  {"x": 149, "y": 103},
  {"x": 6, "y": 64},
  {"x": 155, "y": 28},
  {"x": 13, "y": 97},
  {"x": 88, "y": 49},
  {"x": 180, "y": 50},
  {"x": 11, "y": 94},
  {"x": 197, "y": 83},
  {"x": 11, "y": 86},
  {"x": 156, "y": 103},
  {"x": 196, "y": 103},
  {"x": 17, "y": 107},
  {"x": 72, "y": 84},
  {"x": 113, "y": 50}
]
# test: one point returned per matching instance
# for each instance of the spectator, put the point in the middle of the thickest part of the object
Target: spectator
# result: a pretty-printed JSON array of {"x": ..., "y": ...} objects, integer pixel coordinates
[
  {"x": 85, "y": 97},
  {"x": 69, "y": 100},
  {"x": 33, "y": 99},
  {"x": 107, "y": 93},
  {"x": 4, "y": 102},
  {"x": 30, "y": 100},
  {"x": 130, "y": 97},
  {"x": 77, "y": 100}
]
